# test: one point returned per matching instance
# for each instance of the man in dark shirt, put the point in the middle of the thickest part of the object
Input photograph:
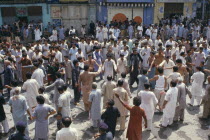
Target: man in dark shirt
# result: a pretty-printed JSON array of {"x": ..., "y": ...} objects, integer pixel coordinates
[
  {"x": 103, "y": 134},
  {"x": 3, "y": 119},
  {"x": 189, "y": 63},
  {"x": 92, "y": 28},
  {"x": 20, "y": 126},
  {"x": 135, "y": 61},
  {"x": 75, "y": 80},
  {"x": 8, "y": 75},
  {"x": 110, "y": 116}
]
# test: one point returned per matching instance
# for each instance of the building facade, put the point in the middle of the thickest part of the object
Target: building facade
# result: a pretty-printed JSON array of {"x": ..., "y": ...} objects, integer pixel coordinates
[
  {"x": 72, "y": 13},
  {"x": 15, "y": 10},
  {"x": 168, "y": 8},
  {"x": 138, "y": 10}
]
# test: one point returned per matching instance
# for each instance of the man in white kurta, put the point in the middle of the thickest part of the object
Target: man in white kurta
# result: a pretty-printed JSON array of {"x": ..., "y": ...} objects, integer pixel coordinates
[
  {"x": 145, "y": 53},
  {"x": 32, "y": 90},
  {"x": 64, "y": 49},
  {"x": 140, "y": 30},
  {"x": 82, "y": 46},
  {"x": 37, "y": 33},
  {"x": 107, "y": 90},
  {"x": 67, "y": 132},
  {"x": 121, "y": 65},
  {"x": 105, "y": 32},
  {"x": 64, "y": 102},
  {"x": 108, "y": 67},
  {"x": 95, "y": 101},
  {"x": 58, "y": 55},
  {"x": 154, "y": 33},
  {"x": 124, "y": 96},
  {"x": 197, "y": 86},
  {"x": 38, "y": 75},
  {"x": 72, "y": 52},
  {"x": 148, "y": 103},
  {"x": 169, "y": 105},
  {"x": 167, "y": 65}
]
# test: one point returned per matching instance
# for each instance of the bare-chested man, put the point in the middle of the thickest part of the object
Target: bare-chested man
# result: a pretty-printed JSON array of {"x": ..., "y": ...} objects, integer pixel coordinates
[
  {"x": 182, "y": 69},
  {"x": 85, "y": 83},
  {"x": 152, "y": 69},
  {"x": 91, "y": 62},
  {"x": 159, "y": 58}
]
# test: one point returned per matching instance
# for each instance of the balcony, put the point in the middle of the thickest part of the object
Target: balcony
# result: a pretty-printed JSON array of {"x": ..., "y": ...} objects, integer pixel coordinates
[{"x": 21, "y": 1}]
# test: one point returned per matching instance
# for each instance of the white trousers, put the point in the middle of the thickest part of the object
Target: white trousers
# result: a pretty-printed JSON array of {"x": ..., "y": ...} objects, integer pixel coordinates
[
  {"x": 149, "y": 124},
  {"x": 167, "y": 121},
  {"x": 198, "y": 99},
  {"x": 5, "y": 126}
]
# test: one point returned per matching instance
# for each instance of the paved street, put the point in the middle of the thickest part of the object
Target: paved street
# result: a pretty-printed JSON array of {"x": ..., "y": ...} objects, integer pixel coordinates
[{"x": 191, "y": 129}]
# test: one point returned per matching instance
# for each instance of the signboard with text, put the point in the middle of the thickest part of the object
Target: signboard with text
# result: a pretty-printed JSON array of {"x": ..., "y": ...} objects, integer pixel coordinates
[
  {"x": 56, "y": 22},
  {"x": 21, "y": 11}
]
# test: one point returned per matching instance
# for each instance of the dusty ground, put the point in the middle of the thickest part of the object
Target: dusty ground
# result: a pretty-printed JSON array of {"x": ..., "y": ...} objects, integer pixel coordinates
[{"x": 191, "y": 129}]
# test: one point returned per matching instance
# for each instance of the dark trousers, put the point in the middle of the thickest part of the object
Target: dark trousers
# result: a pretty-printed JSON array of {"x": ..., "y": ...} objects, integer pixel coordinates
[
  {"x": 134, "y": 78},
  {"x": 77, "y": 95}
]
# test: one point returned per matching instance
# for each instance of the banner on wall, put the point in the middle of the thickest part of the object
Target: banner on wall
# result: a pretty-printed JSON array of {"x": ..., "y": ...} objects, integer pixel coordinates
[
  {"x": 161, "y": 10},
  {"x": 56, "y": 22},
  {"x": 21, "y": 11},
  {"x": 55, "y": 12}
]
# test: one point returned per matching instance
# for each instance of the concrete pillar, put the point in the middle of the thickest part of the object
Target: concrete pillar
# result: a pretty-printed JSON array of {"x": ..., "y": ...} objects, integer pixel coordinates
[
  {"x": 158, "y": 11},
  {"x": 46, "y": 14},
  {"x": 1, "y": 19},
  {"x": 92, "y": 13}
]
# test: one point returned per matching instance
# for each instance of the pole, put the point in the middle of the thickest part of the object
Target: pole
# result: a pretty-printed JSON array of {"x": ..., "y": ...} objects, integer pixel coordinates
[{"x": 203, "y": 10}]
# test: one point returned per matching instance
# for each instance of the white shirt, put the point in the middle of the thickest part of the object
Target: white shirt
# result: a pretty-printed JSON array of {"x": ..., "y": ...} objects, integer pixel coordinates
[
  {"x": 64, "y": 102},
  {"x": 167, "y": 65},
  {"x": 72, "y": 31},
  {"x": 121, "y": 65},
  {"x": 37, "y": 56},
  {"x": 72, "y": 53},
  {"x": 82, "y": 47},
  {"x": 58, "y": 56},
  {"x": 148, "y": 102},
  {"x": 171, "y": 97},
  {"x": 38, "y": 75},
  {"x": 80, "y": 55},
  {"x": 140, "y": 29},
  {"x": 174, "y": 76},
  {"x": 197, "y": 84},
  {"x": 31, "y": 86},
  {"x": 67, "y": 134}
]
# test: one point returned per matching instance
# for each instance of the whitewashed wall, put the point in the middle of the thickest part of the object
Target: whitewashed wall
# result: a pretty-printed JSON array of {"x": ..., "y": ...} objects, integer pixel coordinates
[{"x": 74, "y": 15}]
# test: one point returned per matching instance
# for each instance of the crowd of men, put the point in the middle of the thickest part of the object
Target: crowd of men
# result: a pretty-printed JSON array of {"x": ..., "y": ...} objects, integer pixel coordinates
[{"x": 163, "y": 59}]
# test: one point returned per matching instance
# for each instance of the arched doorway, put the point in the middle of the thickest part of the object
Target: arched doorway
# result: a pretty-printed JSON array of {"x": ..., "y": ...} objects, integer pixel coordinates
[
  {"x": 138, "y": 19},
  {"x": 119, "y": 17}
]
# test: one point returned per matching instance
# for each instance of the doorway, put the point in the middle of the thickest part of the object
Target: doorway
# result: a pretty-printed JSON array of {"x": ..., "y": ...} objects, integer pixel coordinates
[
  {"x": 23, "y": 20},
  {"x": 172, "y": 9}
]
